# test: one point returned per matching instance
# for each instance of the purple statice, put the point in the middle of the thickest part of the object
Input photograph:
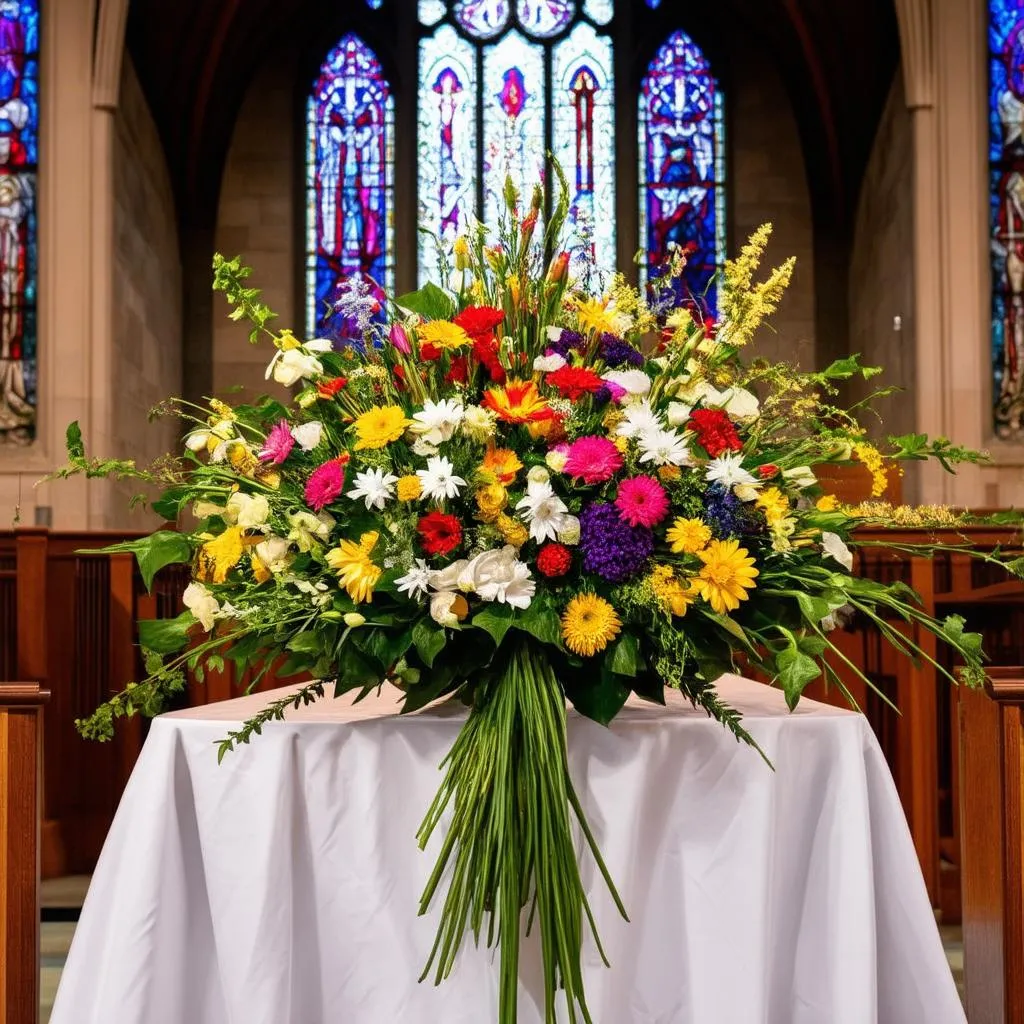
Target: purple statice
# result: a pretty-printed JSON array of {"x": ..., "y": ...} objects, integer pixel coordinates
[
  {"x": 726, "y": 514},
  {"x": 603, "y": 395},
  {"x": 616, "y": 352},
  {"x": 565, "y": 343},
  {"x": 611, "y": 547}
]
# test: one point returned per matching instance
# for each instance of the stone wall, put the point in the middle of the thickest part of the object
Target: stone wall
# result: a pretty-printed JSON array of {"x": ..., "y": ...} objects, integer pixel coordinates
[
  {"x": 257, "y": 219},
  {"x": 881, "y": 296},
  {"x": 147, "y": 288}
]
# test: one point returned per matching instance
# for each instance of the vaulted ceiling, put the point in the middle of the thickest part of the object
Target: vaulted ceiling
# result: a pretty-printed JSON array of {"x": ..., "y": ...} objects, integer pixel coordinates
[{"x": 196, "y": 58}]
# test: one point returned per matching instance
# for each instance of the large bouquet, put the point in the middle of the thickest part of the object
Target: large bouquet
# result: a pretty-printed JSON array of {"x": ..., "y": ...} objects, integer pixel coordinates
[{"x": 509, "y": 490}]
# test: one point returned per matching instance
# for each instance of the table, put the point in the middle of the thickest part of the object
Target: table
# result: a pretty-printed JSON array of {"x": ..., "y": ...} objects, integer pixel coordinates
[{"x": 281, "y": 887}]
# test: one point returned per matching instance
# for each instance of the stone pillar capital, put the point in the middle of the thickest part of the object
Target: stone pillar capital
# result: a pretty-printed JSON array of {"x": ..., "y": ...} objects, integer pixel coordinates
[{"x": 918, "y": 52}]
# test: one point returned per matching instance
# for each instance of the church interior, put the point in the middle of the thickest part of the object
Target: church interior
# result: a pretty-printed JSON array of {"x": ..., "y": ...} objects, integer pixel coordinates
[{"x": 882, "y": 139}]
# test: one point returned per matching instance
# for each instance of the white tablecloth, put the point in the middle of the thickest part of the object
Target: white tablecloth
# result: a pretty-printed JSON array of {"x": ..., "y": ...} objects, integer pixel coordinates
[{"x": 282, "y": 886}]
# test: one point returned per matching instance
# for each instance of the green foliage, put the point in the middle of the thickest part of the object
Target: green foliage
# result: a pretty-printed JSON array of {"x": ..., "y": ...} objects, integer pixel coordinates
[
  {"x": 918, "y": 447},
  {"x": 625, "y": 659},
  {"x": 229, "y": 277},
  {"x": 164, "y": 547},
  {"x": 429, "y": 638},
  {"x": 496, "y": 619},
  {"x": 166, "y": 636},
  {"x": 428, "y": 302},
  {"x": 275, "y": 711}
]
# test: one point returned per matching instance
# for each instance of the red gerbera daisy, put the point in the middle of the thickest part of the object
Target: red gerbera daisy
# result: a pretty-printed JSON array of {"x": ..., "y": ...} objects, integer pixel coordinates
[
  {"x": 439, "y": 533},
  {"x": 430, "y": 351},
  {"x": 458, "y": 372},
  {"x": 715, "y": 432},
  {"x": 574, "y": 382}
]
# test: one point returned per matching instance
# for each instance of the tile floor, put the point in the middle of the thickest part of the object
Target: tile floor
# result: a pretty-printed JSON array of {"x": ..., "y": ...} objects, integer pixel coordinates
[{"x": 63, "y": 895}]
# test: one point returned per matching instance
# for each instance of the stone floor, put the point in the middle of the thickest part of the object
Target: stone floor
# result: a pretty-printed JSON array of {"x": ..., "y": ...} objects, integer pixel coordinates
[{"x": 62, "y": 898}]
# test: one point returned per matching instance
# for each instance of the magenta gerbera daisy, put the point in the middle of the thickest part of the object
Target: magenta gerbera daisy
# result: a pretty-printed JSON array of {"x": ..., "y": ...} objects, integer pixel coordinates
[
  {"x": 593, "y": 459},
  {"x": 642, "y": 501},
  {"x": 278, "y": 445}
]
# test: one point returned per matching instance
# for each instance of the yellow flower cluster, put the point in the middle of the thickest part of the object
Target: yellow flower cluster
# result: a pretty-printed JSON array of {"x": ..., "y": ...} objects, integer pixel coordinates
[
  {"x": 827, "y": 503},
  {"x": 871, "y": 457},
  {"x": 911, "y": 516},
  {"x": 774, "y": 504},
  {"x": 491, "y": 500},
  {"x": 356, "y": 570},
  {"x": 219, "y": 555},
  {"x": 408, "y": 488},
  {"x": 512, "y": 530},
  {"x": 673, "y": 596},
  {"x": 745, "y": 306},
  {"x": 593, "y": 315}
]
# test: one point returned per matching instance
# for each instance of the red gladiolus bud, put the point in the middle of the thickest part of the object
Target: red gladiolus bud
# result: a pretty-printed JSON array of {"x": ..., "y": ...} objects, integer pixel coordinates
[{"x": 559, "y": 268}]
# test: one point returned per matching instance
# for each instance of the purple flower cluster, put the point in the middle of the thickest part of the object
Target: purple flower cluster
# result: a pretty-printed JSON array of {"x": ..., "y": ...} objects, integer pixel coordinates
[
  {"x": 617, "y": 352},
  {"x": 611, "y": 547},
  {"x": 567, "y": 342},
  {"x": 726, "y": 514}
]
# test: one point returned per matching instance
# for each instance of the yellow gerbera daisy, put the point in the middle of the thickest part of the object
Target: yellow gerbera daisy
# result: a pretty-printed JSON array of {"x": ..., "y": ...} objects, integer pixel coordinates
[
  {"x": 219, "y": 555},
  {"x": 589, "y": 624},
  {"x": 356, "y": 570},
  {"x": 688, "y": 536},
  {"x": 775, "y": 505},
  {"x": 409, "y": 488},
  {"x": 491, "y": 500},
  {"x": 727, "y": 575},
  {"x": 443, "y": 334},
  {"x": 380, "y": 426}
]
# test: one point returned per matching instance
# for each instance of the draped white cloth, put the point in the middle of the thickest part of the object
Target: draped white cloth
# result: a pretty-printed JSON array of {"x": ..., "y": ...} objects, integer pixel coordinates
[{"x": 282, "y": 886}]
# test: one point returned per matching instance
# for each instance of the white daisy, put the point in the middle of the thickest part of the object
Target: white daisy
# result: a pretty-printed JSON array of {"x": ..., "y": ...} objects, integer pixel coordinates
[
  {"x": 664, "y": 448},
  {"x": 543, "y": 510},
  {"x": 439, "y": 480},
  {"x": 640, "y": 419},
  {"x": 728, "y": 471},
  {"x": 437, "y": 421},
  {"x": 416, "y": 581},
  {"x": 374, "y": 486}
]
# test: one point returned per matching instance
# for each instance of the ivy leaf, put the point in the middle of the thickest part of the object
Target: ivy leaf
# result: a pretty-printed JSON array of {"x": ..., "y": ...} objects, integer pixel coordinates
[
  {"x": 814, "y": 609},
  {"x": 625, "y": 659},
  {"x": 165, "y": 547},
  {"x": 434, "y": 685},
  {"x": 169, "y": 505},
  {"x": 429, "y": 638},
  {"x": 496, "y": 619},
  {"x": 385, "y": 645},
  {"x": 73, "y": 442},
  {"x": 795, "y": 670},
  {"x": 166, "y": 636},
  {"x": 429, "y": 302}
]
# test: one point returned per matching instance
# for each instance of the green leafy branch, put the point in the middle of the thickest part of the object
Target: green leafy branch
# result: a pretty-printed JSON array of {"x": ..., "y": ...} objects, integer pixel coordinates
[
  {"x": 229, "y": 277},
  {"x": 919, "y": 447},
  {"x": 274, "y": 712}
]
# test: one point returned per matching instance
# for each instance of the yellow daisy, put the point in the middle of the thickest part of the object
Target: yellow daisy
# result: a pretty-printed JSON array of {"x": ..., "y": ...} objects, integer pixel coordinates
[
  {"x": 512, "y": 530},
  {"x": 502, "y": 463},
  {"x": 356, "y": 570},
  {"x": 408, "y": 488},
  {"x": 589, "y": 624},
  {"x": 219, "y": 555},
  {"x": 688, "y": 536},
  {"x": 727, "y": 575},
  {"x": 443, "y": 334},
  {"x": 380, "y": 426},
  {"x": 491, "y": 500}
]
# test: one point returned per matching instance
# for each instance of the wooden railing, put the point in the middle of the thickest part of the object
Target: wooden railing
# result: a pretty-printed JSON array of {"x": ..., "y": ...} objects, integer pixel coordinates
[
  {"x": 992, "y": 818},
  {"x": 20, "y": 770}
]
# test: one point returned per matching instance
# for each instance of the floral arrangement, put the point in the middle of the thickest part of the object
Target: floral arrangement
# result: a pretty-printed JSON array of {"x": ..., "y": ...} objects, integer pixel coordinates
[{"x": 506, "y": 489}]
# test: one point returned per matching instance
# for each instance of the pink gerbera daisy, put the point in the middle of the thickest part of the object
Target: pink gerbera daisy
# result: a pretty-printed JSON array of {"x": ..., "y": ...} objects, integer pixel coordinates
[
  {"x": 326, "y": 482},
  {"x": 278, "y": 445},
  {"x": 642, "y": 501},
  {"x": 593, "y": 459}
]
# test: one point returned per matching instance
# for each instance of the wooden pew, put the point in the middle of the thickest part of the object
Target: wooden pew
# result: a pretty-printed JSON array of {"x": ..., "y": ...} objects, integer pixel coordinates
[
  {"x": 992, "y": 822},
  {"x": 21, "y": 706}
]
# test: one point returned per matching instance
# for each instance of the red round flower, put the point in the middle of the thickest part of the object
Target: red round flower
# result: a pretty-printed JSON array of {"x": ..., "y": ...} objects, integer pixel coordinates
[
  {"x": 574, "y": 381},
  {"x": 554, "y": 560},
  {"x": 430, "y": 351},
  {"x": 486, "y": 352},
  {"x": 767, "y": 471},
  {"x": 439, "y": 533},
  {"x": 458, "y": 372},
  {"x": 479, "y": 321},
  {"x": 715, "y": 432}
]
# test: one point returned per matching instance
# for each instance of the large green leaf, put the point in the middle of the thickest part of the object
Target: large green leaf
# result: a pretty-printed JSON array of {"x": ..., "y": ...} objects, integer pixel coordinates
[
  {"x": 431, "y": 686},
  {"x": 386, "y": 645},
  {"x": 952, "y": 631},
  {"x": 597, "y": 694},
  {"x": 354, "y": 670},
  {"x": 429, "y": 301},
  {"x": 165, "y": 547},
  {"x": 166, "y": 636},
  {"x": 429, "y": 638},
  {"x": 309, "y": 642},
  {"x": 624, "y": 658},
  {"x": 796, "y": 669},
  {"x": 496, "y": 619},
  {"x": 541, "y": 621},
  {"x": 169, "y": 505}
]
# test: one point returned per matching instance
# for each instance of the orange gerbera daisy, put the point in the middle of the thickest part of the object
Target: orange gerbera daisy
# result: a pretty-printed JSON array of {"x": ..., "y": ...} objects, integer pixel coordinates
[
  {"x": 517, "y": 402},
  {"x": 503, "y": 463}
]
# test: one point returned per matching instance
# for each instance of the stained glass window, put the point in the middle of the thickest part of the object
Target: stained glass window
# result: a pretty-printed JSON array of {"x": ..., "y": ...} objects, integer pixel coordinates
[
  {"x": 532, "y": 76},
  {"x": 1006, "y": 203},
  {"x": 349, "y": 184},
  {"x": 682, "y": 169},
  {"x": 19, "y": 132}
]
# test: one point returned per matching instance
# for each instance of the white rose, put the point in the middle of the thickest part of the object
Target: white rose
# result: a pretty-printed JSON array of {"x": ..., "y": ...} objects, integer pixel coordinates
[
  {"x": 307, "y": 435},
  {"x": 678, "y": 413},
  {"x": 741, "y": 404},
  {"x": 202, "y": 604},
  {"x": 250, "y": 511},
  {"x": 635, "y": 382},
  {"x": 547, "y": 364},
  {"x": 448, "y": 577},
  {"x": 290, "y": 367},
  {"x": 833, "y": 546},
  {"x": 197, "y": 440}
]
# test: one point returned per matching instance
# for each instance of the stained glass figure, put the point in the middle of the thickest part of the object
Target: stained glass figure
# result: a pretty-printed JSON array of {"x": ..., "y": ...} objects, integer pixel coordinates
[
  {"x": 350, "y": 161},
  {"x": 682, "y": 170},
  {"x": 584, "y": 143},
  {"x": 482, "y": 18},
  {"x": 447, "y": 142},
  {"x": 19, "y": 133},
  {"x": 544, "y": 18},
  {"x": 1006, "y": 204}
]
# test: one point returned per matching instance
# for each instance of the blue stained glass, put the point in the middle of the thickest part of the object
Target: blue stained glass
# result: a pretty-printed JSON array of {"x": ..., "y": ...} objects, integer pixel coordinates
[
  {"x": 1006, "y": 206},
  {"x": 482, "y": 18},
  {"x": 19, "y": 133},
  {"x": 544, "y": 17},
  {"x": 374, "y": 5},
  {"x": 350, "y": 184},
  {"x": 654, "y": 4},
  {"x": 682, "y": 170}
]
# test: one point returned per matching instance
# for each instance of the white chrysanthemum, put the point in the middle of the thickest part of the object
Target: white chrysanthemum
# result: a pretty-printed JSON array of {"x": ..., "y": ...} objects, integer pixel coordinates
[
  {"x": 639, "y": 419},
  {"x": 569, "y": 531},
  {"x": 664, "y": 448},
  {"x": 728, "y": 471},
  {"x": 308, "y": 435},
  {"x": 543, "y": 510},
  {"x": 478, "y": 423},
  {"x": 437, "y": 421},
  {"x": 438, "y": 480},
  {"x": 538, "y": 475},
  {"x": 416, "y": 581},
  {"x": 633, "y": 382},
  {"x": 374, "y": 486},
  {"x": 423, "y": 448}
]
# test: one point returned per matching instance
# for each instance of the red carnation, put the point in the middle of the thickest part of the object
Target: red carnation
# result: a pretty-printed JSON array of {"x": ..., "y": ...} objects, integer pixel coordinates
[
  {"x": 458, "y": 372},
  {"x": 329, "y": 388},
  {"x": 767, "y": 471},
  {"x": 574, "y": 381},
  {"x": 479, "y": 321},
  {"x": 430, "y": 351},
  {"x": 715, "y": 432},
  {"x": 554, "y": 560},
  {"x": 439, "y": 533},
  {"x": 486, "y": 351}
]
